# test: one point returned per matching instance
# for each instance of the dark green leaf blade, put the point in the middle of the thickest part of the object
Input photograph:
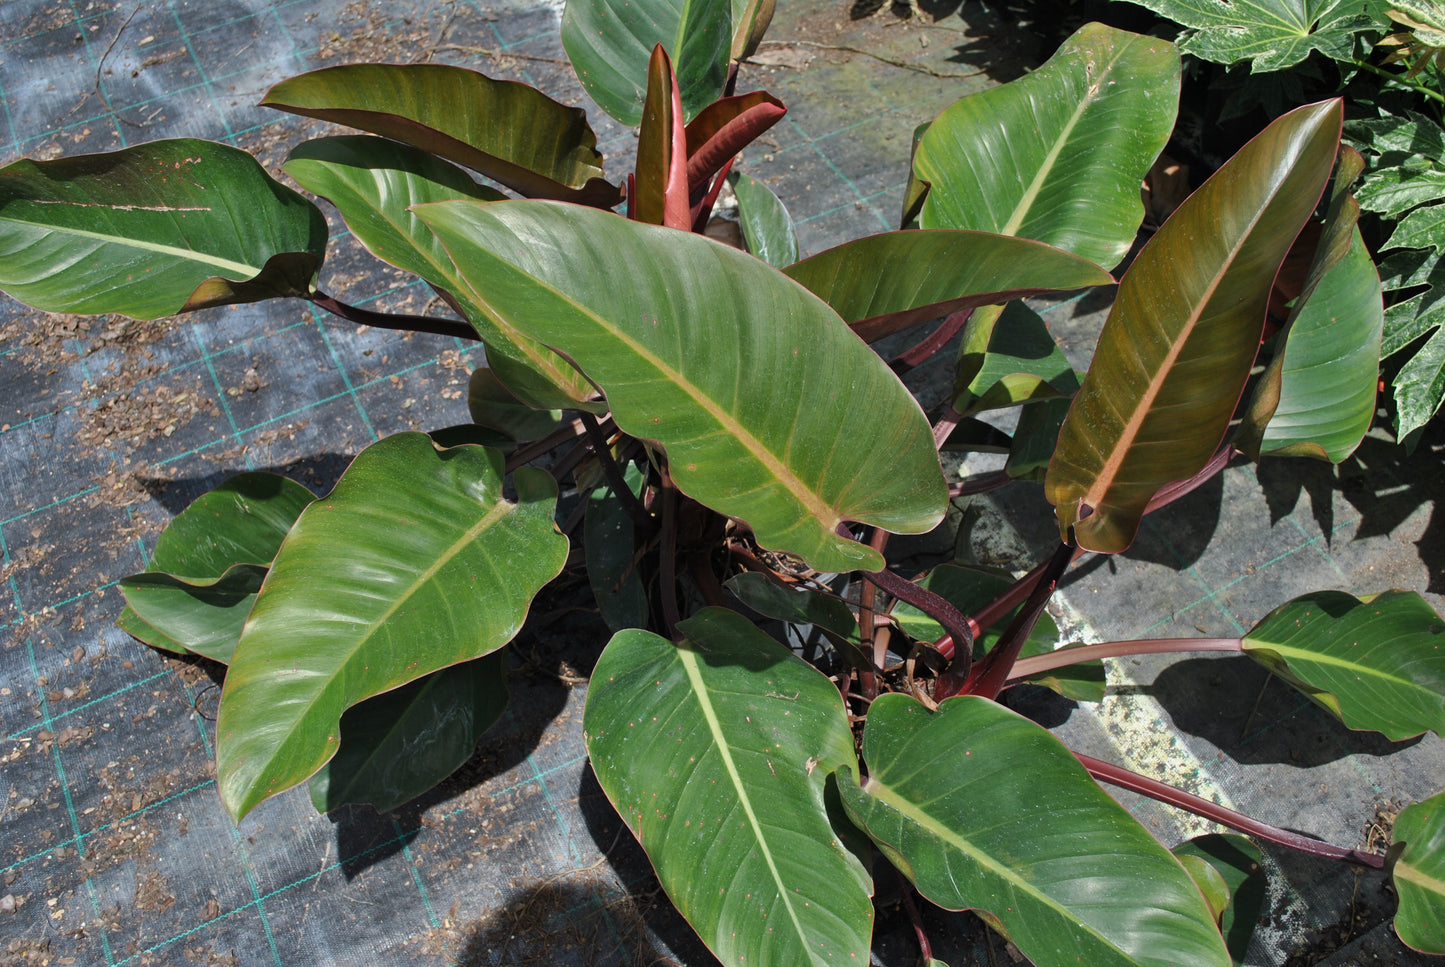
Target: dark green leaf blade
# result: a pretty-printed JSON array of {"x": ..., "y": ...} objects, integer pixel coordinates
[
  {"x": 885, "y": 283},
  {"x": 203, "y": 619},
  {"x": 243, "y": 521},
  {"x": 414, "y": 562},
  {"x": 767, "y": 227},
  {"x": 1008, "y": 359},
  {"x": 1057, "y": 155},
  {"x": 692, "y": 354},
  {"x": 717, "y": 752},
  {"x": 397, "y": 745},
  {"x": 1179, "y": 342},
  {"x": 1374, "y": 663},
  {"x": 609, "y": 42},
  {"x": 492, "y": 405},
  {"x": 373, "y": 182},
  {"x": 153, "y": 230},
  {"x": 507, "y": 130},
  {"x": 1419, "y": 875},
  {"x": 801, "y": 606},
  {"x": 1240, "y": 864},
  {"x": 610, "y": 544},
  {"x": 1087, "y": 885}
]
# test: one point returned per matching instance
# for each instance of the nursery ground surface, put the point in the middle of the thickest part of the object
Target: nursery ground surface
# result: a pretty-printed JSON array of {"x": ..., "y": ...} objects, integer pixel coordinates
[{"x": 114, "y": 848}]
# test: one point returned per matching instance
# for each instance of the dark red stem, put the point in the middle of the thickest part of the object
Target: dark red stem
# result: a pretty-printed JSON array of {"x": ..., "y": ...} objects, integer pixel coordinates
[
  {"x": 385, "y": 320},
  {"x": 1154, "y": 789},
  {"x": 615, "y": 479},
  {"x": 1167, "y": 495},
  {"x": 926, "y": 348},
  {"x": 980, "y": 483},
  {"x": 936, "y": 607},
  {"x": 1074, "y": 654},
  {"x": 992, "y": 672},
  {"x": 565, "y": 433}
]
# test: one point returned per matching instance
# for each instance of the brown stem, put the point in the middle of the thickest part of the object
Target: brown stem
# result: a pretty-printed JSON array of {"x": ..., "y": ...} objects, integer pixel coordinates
[
  {"x": 935, "y": 606},
  {"x": 615, "y": 479},
  {"x": 565, "y": 433},
  {"x": 1074, "y": 654},
  {"x": 1167, "y": 495},
  {"x": 944, "y": 426},
  {"x": 936, "y": 340},
  {"x": 386, "y": 320},
  {"x": 667, "y": 557},
  {"x": 980, "y": 483},
  {"x": 1154, "y": 789}
]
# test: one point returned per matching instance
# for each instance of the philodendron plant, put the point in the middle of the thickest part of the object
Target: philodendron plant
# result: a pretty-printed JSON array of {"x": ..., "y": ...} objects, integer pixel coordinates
[{"x": 708, "y": 432}]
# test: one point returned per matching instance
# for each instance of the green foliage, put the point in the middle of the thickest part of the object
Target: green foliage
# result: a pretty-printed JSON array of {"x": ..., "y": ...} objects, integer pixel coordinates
[
  {"x": 730, "y": 443},
  {"x": 1270, "y": 34}
]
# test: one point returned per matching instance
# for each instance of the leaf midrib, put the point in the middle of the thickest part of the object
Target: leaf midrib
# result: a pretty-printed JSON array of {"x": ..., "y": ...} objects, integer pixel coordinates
[
  {"x": 885, "y": 794},
  {"x": 1304, "y": 657},
  {"x": 689, "y": 659},
  {"x": 184, "y": 254}
]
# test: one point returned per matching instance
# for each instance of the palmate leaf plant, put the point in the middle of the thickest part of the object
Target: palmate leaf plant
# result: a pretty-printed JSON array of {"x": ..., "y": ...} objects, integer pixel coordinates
[{"x": 711, "y": 434}]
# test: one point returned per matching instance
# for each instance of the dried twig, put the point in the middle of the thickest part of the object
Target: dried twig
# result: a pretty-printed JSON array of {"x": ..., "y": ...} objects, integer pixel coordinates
[{"x": 902, "y": 64}]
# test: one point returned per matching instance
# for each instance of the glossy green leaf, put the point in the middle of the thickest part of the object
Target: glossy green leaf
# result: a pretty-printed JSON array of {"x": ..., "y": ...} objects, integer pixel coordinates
[
  {"x": 1037, "y": 433},
  {"x": 1317, "y": 395},
  {"x": 800, "y": 606},
  {"x": 717, "y": 752},
  {"x": 413, "y": 563},
  {"x": 1211, "y": 884},
  {"x": 609, "y": 541},
  {"x": 1419, "y": 386},
  {"x": 507, "y": 130},
  {"x": 1270, "y": 34},
  {"x": 1059, "y": 154},
  {"x": 492, "y": 405},
  {"x": 767, "y": 227},
  {"x": 153, "y": 230},
  {"x": 722, "y": 361},
  {"x": 984, "y": 810},
  {"x": 397, "y": 745},
  {"x": 1331, "y": 364},
  {"x": 1419, "y": 875},
  {"x": 1183, "y": 332},
  {"x": 972, "y": 588},
  {"x": 1007, "y": 359},
  {"x": 1374, "y": 663},
  {"x": 203, "y": 618},
  {"x": 1239, "y": 865},
  {"x": 375, "y": 183},
  {"x": 882, "y": 284},
  {"x": 660, "y": 193},
  {"x": 1422, "y": 228},
  {"x": 608, "y": 42}
]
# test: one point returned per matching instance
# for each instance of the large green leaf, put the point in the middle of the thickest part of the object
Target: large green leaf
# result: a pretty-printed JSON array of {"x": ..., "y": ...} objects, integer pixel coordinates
[
  {"x": 374, "y": 183},
  {"x": 208, "y": 565},
  {"x": 399, "y": 744},
  {"x": 153, "y": 230},
  {"x": 884, "y": 283},
  {"x": 1179, "y": 342},
  {"x": 1317, "y": 395},
  {"x": 1374, "y": 663},
  {"x": 507, "y": 130},
  {"x": 1240, "y": 866},
  {"x": 490, "y": 404},
  {"x": 413, "y": 563},
  {"x": 984, "y": 810},
  {"x": 769, "y": 408},
  {"x": 799, "y": 606},
  {"x": 609, "y": 43},
  {"x": 1057, "y": 155},
  {"x": 1270, "y": 34},
  {"x": 1419, "y": 875},
  {"x": 717, "y": 751}
]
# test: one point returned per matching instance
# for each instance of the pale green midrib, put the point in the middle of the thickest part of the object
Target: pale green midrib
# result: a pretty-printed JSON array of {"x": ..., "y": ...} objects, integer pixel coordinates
[
  {"x": 1415, "y": 875},
  {"x": 1030, "y": 195},
  {"x": 501, "y": 510},
  {"x": 186, "y": 254},
  {"x": 885, "y": 794},
  {"x": 688, "y": 659},
  {"x": 794, "y": 486},
  {"x": 1287, "y": 651}
]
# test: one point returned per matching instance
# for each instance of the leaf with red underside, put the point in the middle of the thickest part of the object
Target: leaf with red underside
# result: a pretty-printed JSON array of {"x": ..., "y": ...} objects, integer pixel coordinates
[
  {"x": 661, "y": 196},
  {"x": 509, "y": 131},
  {"x": 1178, "y": 344},
  {"x": 724, "y": 128}
]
